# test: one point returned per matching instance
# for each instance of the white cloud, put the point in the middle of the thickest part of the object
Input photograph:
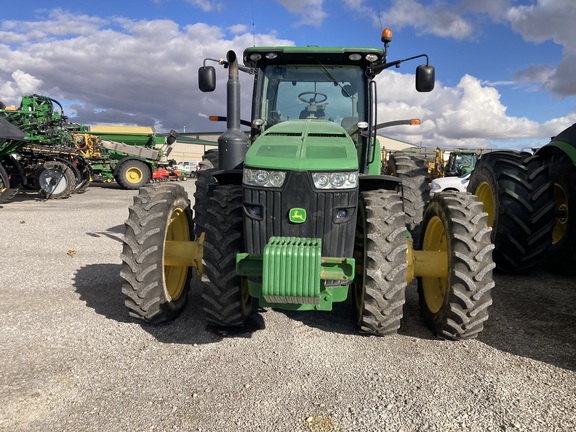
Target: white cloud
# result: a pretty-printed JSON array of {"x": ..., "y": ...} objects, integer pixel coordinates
[
  {"x": 208, "y": 5},
  {"x": 468, "y": 115},
  {"x": 144, "y": 72},
  {"x": 311, "y": 12},
  {"x": 238, "y": 29},
  {"x": 22, "y": 83},
  {"x": 438, "y": 20},
  {"x": 549, "y": 20},
  {"x": 122, "y": 70}
]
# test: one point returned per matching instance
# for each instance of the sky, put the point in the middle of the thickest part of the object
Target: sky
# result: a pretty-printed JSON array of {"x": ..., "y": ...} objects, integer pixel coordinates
[{"x": 505, "y": 69}]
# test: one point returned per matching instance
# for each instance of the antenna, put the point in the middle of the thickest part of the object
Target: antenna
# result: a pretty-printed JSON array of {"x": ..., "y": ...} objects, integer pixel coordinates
[{"x": 253, "y": 25}]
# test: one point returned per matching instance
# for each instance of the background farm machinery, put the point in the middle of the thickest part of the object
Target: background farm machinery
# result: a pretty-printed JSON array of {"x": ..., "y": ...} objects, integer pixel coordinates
[{"x": 58, "y": 158}]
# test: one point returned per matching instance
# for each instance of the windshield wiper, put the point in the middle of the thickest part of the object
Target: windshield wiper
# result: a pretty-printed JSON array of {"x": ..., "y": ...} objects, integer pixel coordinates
[{"x": 327, "y": 72}]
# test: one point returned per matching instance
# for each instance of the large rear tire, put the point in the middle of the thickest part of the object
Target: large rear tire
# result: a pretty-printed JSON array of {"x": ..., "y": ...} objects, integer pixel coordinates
[
  {"x": 155, "y": 292},
  {"x": 227, "y": 302},
  {"x": 133, "y": 174},
  {"x": 413, "y": 171},
  {"x": 55, "y": 180},
  {"x": 456, "y": 306},
  {"x": 517, "y": 193},
  {"x": 561, "y": 257},
  {"x": 380, "y": 253}
]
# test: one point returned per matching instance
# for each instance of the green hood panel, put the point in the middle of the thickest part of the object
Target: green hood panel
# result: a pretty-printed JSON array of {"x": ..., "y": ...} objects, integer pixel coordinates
[{"x": 304, "y": 145}]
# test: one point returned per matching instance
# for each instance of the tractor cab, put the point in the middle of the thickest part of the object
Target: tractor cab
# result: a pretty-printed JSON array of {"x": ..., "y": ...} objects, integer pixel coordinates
[
  {"x": 329, "y": 84},
  {"x": 293, "y": 84}
]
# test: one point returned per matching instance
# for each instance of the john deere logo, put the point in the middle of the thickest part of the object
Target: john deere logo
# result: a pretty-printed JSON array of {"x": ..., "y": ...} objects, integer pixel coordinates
[{"x": 297, "y": 215}]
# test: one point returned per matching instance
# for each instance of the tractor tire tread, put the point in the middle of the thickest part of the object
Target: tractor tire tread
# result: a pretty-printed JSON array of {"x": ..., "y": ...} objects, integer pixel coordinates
[
  {"x": 143, "y": 252},
  {"x": 470, "y": 266}
]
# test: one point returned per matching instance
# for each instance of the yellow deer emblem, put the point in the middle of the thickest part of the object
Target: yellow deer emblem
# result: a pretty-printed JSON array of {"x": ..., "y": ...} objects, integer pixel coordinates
[{"x": 297, "y": 215}]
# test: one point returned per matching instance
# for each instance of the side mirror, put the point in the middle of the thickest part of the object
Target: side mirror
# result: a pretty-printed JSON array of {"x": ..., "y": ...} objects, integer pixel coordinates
[
  {"x": 207, "y": 78},
  {"x": 425, "y": 77}
]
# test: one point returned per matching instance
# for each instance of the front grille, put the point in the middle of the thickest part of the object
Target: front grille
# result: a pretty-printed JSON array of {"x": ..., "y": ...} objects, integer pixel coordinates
[{"x": 321, "y": 206}]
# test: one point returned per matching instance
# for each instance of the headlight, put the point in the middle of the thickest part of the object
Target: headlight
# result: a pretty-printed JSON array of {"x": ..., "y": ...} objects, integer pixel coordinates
[
  {"x": 335, "y": 180},
  {"x": 264, "y": 178}
]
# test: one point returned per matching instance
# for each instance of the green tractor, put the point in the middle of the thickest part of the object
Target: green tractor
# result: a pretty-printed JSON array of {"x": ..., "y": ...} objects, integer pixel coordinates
[
  {"x": 530, "y": 199},
  {"x": 461, "y": 162},
  {"x": 297, "y": 216}
]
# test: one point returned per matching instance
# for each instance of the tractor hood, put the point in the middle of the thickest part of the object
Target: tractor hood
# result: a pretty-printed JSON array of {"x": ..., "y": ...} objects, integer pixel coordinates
[{"x": 304, "y": 145}]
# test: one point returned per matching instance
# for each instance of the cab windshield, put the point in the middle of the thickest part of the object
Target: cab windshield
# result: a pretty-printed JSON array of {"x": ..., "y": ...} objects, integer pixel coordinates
[{"x": 317, "y": 92}]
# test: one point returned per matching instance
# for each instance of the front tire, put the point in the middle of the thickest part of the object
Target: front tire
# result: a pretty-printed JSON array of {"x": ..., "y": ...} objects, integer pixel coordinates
[
  {"x": 517, "y": 194},
  {"x": 456, "y": 306},
  {"x": 227, "y": 302},
  {"x": 155, "y": 292},
  {"x": 380, "y": 253}
]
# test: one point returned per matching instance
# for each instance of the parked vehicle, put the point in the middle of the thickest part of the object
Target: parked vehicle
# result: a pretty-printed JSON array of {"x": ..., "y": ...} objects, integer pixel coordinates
[
  {"x": 188, "y": 167},
  {"x": 450, "y": 184}
]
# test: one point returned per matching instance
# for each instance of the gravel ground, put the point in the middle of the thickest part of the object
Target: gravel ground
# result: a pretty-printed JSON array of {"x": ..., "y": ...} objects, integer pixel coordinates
[{"x": 72, "y": 360}]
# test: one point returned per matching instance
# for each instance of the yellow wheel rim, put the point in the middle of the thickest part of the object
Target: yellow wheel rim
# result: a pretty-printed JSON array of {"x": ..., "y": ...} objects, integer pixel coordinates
[
  {"x": 486, "y": 197},
  {"x": 175, "y": 276},
  {"x": 561, "y": 204},
  {"x": 134, "y": 175},
  {"x": 434, "y": 288}
]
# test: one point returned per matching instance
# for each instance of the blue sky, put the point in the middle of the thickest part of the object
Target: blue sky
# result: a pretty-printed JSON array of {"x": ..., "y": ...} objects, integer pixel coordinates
[{"x": 505, "y": 69}]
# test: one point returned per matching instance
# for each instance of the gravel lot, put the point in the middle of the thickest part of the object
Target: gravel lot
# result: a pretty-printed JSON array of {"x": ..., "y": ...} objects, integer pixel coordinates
[{"x": 72, "y": 360}]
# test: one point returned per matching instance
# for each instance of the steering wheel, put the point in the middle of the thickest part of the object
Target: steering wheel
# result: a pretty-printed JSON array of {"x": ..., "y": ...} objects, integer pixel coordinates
[{"x": 313, "y": 99}]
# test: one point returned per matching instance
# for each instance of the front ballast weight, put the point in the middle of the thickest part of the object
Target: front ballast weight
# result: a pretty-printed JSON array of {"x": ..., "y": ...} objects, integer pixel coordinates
[{"x": 293, "y": 272}]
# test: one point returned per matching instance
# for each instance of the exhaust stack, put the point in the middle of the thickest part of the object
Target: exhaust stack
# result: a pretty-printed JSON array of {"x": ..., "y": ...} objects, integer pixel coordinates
[{"x": 233, "y": 143}]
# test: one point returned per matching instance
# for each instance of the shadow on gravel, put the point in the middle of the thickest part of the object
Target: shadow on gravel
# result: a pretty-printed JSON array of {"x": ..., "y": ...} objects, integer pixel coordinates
[
  {"x": 534, "y": 315},
  {"x": 24, "y": 196},
  {"x": 99, "y": 286},
  {"x": 115, "y": 233},
  {"x": 112, "y": 185},
  {"x": 338, "y": 320},
  {"x": 341, "y": 318}
]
